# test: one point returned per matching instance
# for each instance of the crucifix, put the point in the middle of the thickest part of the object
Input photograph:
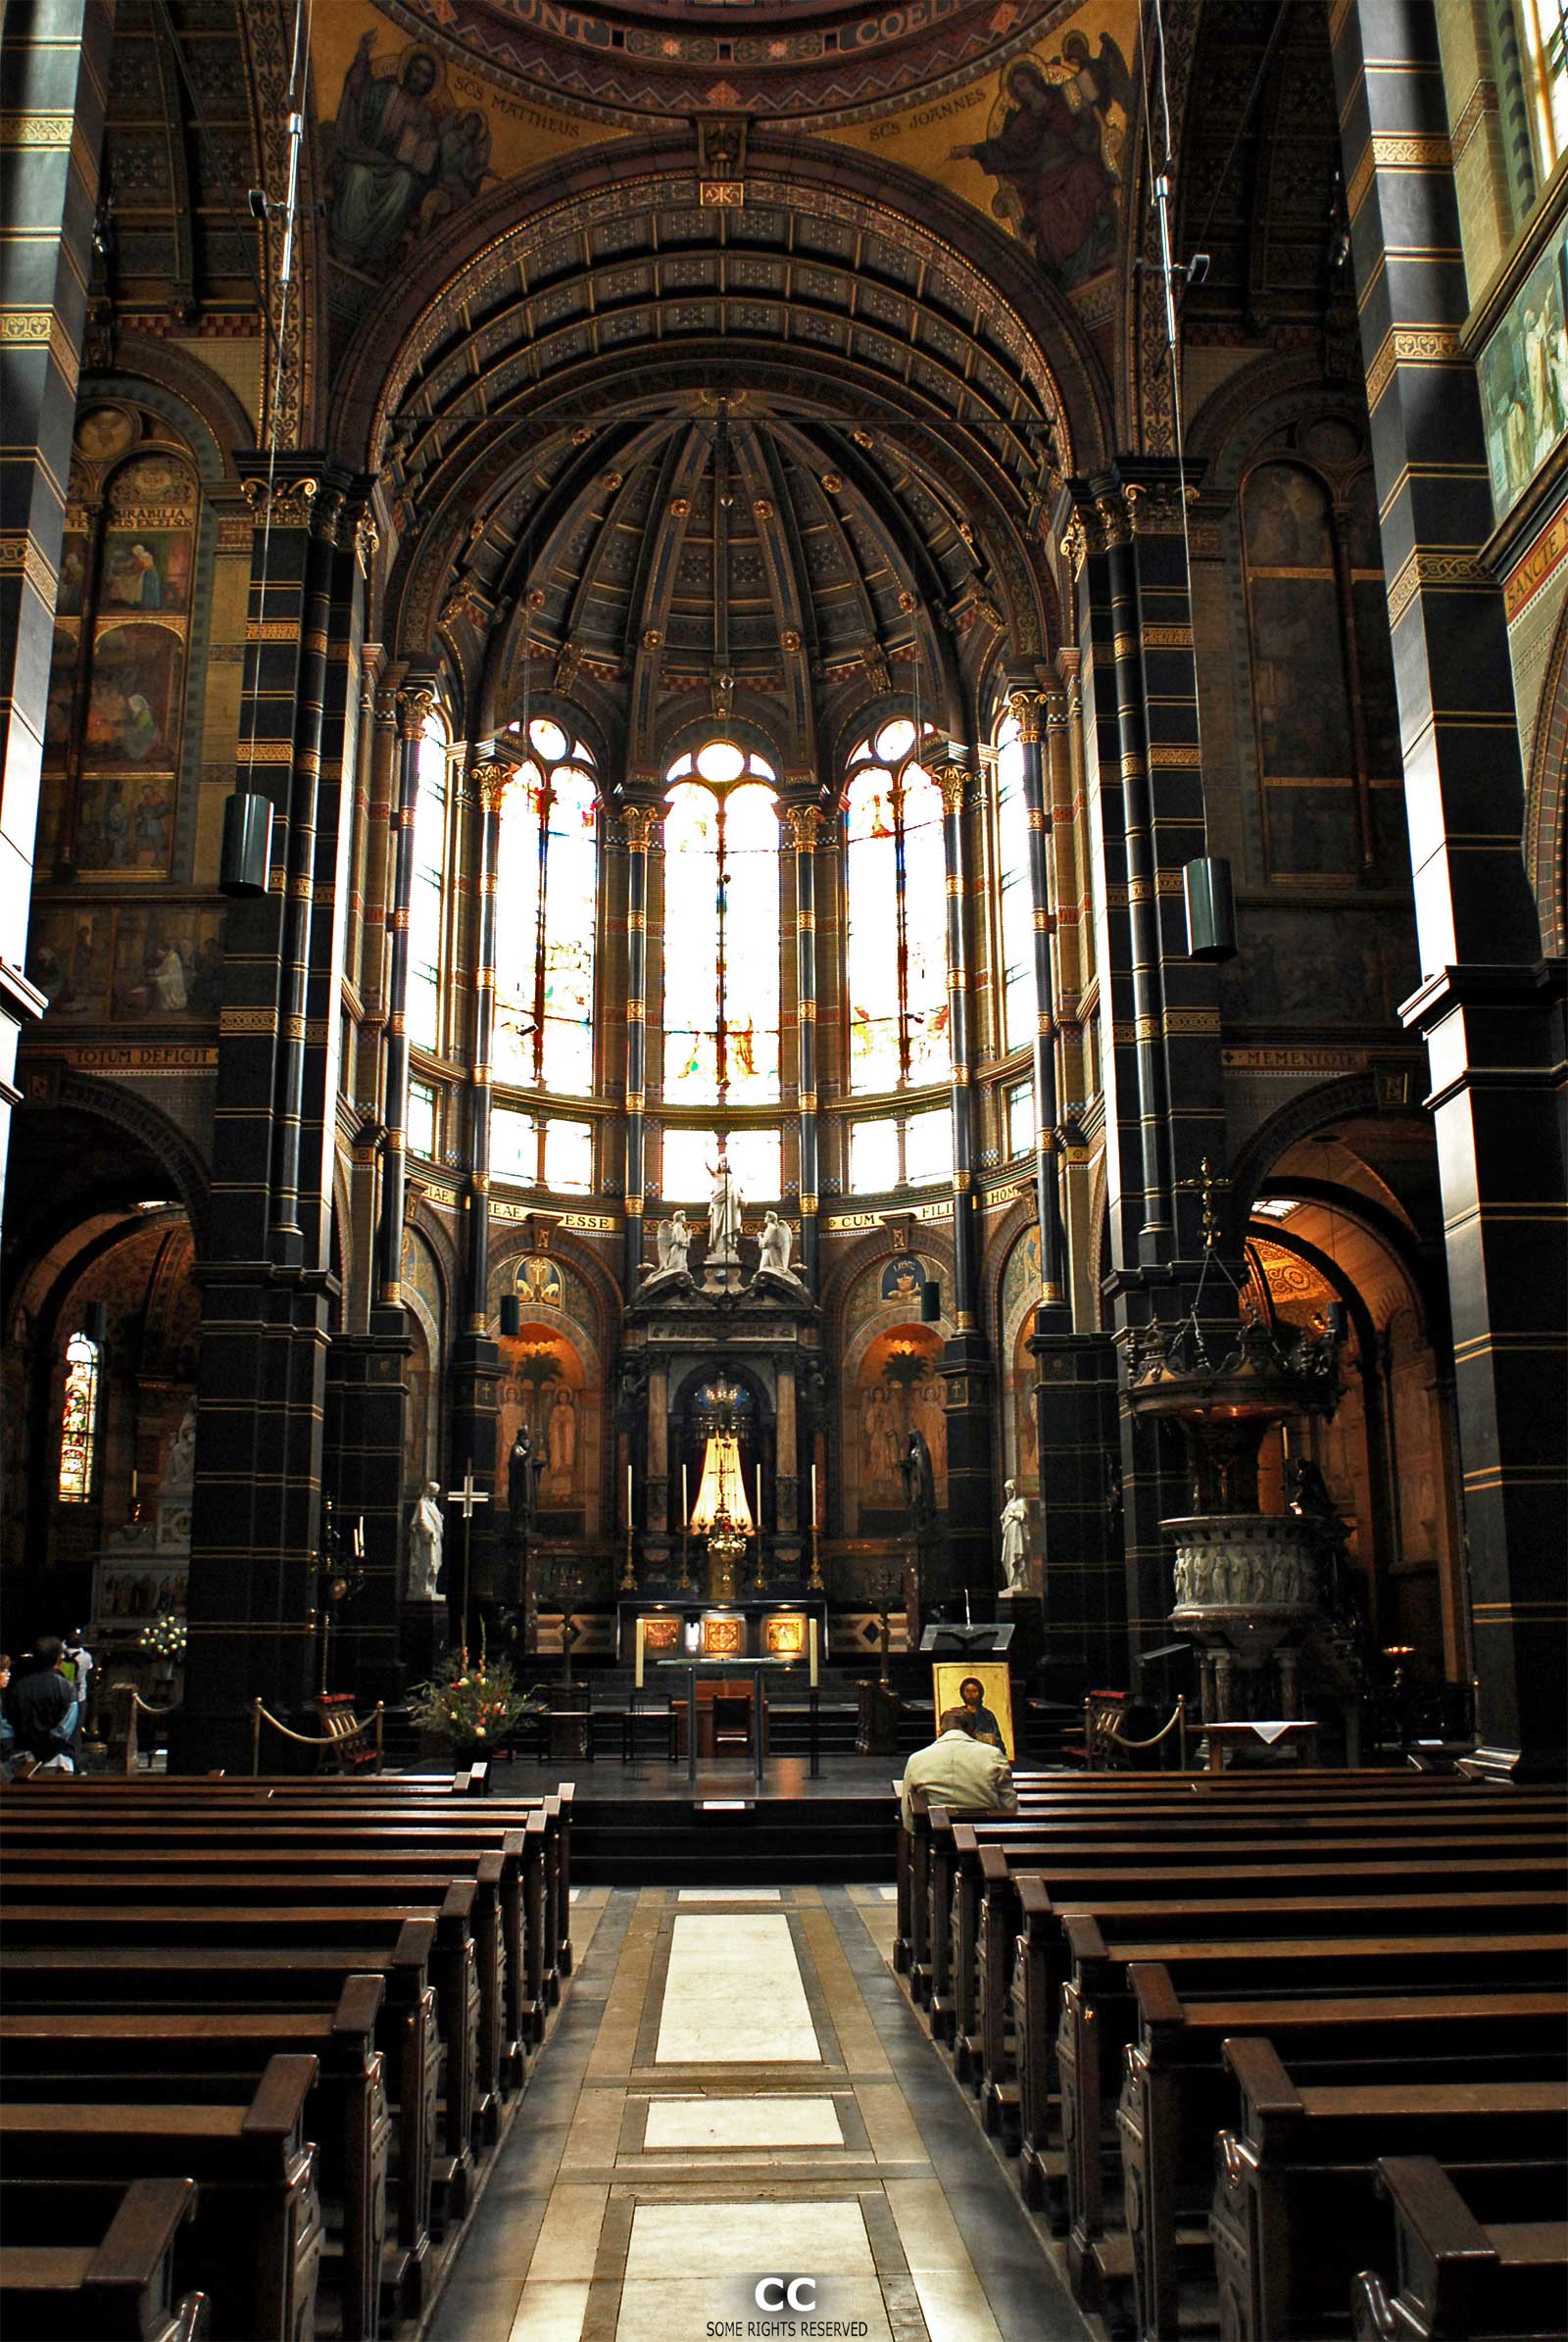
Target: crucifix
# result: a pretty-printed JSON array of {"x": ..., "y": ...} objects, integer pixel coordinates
[{"x": 466, "y": 1498}]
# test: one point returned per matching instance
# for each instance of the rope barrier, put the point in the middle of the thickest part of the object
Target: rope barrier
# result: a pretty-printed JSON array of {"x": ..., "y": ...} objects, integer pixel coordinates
[
  {"x": 1110, "y": 1730},
  {"x": 349, "y": 1734}
]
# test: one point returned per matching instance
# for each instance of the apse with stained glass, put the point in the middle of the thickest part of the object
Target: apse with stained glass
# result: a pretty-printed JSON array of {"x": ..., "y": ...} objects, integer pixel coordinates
[
  {"x": 546, "y": 908},
  {"x": 896, "y": 882},
  {"x": 721, "y": 929}
]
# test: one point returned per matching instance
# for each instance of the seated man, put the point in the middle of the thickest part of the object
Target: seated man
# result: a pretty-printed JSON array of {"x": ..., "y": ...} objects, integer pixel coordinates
[
  {"x": 44, "y": 1711},
  {"x": 959, "y": 1770}
]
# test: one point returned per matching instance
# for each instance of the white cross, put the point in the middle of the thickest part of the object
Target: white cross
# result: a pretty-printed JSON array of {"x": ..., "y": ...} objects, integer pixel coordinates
[{"x": 467, "y": 1496}]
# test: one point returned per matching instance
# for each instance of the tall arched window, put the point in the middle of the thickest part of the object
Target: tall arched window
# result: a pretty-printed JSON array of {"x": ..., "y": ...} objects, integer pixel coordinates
[
  {"x": 1015, "y": 905},
  {"x": 546, "y": 903},
  {"x": 427, "y": 900},
  {"x": 1328, "y": 746},
  {"x": 79, "y": 1420},
  {"x": 721, "y": 930},
  {"x": 897, "y": 950}
]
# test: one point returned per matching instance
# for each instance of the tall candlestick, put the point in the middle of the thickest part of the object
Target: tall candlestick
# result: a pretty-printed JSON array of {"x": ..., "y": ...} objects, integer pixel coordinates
[
  {"x": 685, "y": 1501},
  {"x": 814, "y": 1495},
  {"x": 629, "y": 1495},
  {"x": 810, "y": 1644},
  {"x": 639, "y": 1656}
]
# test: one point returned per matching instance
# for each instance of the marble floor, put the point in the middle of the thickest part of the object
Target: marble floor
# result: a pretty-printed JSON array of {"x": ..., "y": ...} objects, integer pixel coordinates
[{"x": 737, "y": 2089}]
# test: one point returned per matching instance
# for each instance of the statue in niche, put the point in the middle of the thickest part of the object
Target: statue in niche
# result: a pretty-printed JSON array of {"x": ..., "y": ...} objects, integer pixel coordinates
[
  {"x": 1014, "y": 1523},
  {"x": 524, "y": 1468},
  {"x": 919, "y": 1483},
  {"x": 723, "y": 1210},
  {"x": 674, "y": 1243},
  {"x": 181, "y": 1469},
  {"x": 425, "y": 1531}
]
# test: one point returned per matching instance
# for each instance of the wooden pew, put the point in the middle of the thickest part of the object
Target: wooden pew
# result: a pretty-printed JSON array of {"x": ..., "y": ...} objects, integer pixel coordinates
[
  {"x": 243, "y": 1981},
  {"x": 1176, "y": 2094},
  {"x": 116, "y": 2284},
  {"x": 92, "y": 2054},
  {"x": 348, "y": 1927},
  {"x": 470, "y": 1905},
  {"x": 537, "y": 1939},
  {"x": 1096, "y": 2016},
  {"x": 254, "y": 2240},
  {"x": 1295, "y": 2215},
  {"x": 1484, "y": 2264}
]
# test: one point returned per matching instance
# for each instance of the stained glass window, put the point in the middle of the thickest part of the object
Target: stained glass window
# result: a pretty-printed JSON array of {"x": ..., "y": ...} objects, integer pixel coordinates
[
  {"x": 899, "y": 1151},
  {"x": 546, "y": 902},
  {"x": 1019, "y": 1007},
  {"x": 875, "y": 1157},
  {"x": 568, "y": 1156},
  {"x": 928, "y": 1149},
  {"x": 513, "y": 1145},
  {"x": 423, "y": 1008},
  {"x": 1021, "y": 1118},
  {"x": 79, "y": 1420},
  {"x": 421, "y": 1118},
  {"x": 721, "y": 930},
  {"x": 550, "y": 1150},
  {"x": 754, "y": 1162},
  {"x": 896, "y": 956}
]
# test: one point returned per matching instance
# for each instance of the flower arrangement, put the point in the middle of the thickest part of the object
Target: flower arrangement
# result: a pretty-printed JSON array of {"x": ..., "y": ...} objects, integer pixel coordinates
[
  {"x": 164, "y": 1636},
  {"x": 468, "y": 1700}
]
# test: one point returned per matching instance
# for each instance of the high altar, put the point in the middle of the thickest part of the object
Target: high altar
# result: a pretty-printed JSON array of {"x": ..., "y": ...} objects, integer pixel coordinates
[{"x": 722, "y": 1382}]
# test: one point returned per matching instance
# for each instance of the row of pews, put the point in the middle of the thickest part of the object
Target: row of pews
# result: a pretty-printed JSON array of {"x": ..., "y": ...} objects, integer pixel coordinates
[
  {"x": 1282, "y": 2057},
  {"x": 260, "y": 2041}
]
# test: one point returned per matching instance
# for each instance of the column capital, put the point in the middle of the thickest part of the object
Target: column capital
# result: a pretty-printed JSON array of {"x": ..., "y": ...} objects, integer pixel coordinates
[
  {"x": 804, "y": 826},
  {"x": 638, "y": 825},
  {"x": 285, "y": 503},
  {"x": 1027, "y": 707},
  {"x": 490, "y": 776},
  {"x": 953, "y": 776},
  {"x": 415, "y": 707}
]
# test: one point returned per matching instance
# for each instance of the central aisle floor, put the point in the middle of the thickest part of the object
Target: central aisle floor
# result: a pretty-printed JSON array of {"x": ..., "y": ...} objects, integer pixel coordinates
[{"x": 737, "y": 2088}]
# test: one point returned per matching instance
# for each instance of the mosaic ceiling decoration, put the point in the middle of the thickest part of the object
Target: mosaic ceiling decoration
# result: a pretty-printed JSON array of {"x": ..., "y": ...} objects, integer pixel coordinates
[{"x": 811, "y": 63}]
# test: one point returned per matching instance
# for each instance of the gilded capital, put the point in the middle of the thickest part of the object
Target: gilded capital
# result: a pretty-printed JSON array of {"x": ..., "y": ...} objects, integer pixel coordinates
[
  {"x": 638, "y": 825},
  {"x": 804, "y": 825},
  {"x": 490, "y": 779},
  {"x": 954, "y": 782},
  {"x": 1027, "y": 709},
  {"x": 415, "y": 707},
  {"x": 287, "y": 505}
]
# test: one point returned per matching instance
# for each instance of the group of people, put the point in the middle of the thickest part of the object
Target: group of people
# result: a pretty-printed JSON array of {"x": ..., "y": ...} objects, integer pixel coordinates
[{"x": 41, "y": 1712}]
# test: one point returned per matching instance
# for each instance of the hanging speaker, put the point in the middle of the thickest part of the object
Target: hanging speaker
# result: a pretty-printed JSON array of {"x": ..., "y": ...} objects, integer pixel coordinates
[
  {"x": 1210, "y": 910},
  {"x": 247, "y": 855},
  {"x": 511, "y": 1317},
  {"x": 1338, "y": 1319},
  {"x": 97, "y": 1324},
  {"x": 931, "y": 1303}
]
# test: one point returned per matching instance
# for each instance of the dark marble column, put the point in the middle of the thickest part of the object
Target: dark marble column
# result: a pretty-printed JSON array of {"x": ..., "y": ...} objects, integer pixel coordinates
[
  {"x": 806, "y": 826},
  {"x": 475, "y": 1357},
  {"x": 415, "y": 704},
  {"x": 1490, "y": 1009},
  {"x": 967, "y": 1364},
  {"x": 53, "y": 74},
  {"x": 1027, "y": 709},
  {"x": 638, "y": 825},
  {"x": 267, "y": 1292}
]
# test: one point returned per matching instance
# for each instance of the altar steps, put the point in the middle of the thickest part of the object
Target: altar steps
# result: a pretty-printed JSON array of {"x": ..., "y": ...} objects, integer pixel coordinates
[{"x": 733, "y": 1841}]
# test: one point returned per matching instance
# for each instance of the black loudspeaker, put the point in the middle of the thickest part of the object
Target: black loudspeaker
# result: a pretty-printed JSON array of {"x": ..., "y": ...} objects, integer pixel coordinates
[
  {"x": 1338, "y": 1318},
  {"x": 96, "y": 1327},
  {"x": 511, "y": 1317},
  {"x": 247, "y": 853},
  {"x": 931, "y": 1303},
  {"x": 1210, "y": 910}
]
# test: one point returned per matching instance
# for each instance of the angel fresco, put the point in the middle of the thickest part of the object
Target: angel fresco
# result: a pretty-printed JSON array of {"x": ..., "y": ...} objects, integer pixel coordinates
[
  {"x": 1058, "y": 189},
  {"x": 402, "y": 159}
]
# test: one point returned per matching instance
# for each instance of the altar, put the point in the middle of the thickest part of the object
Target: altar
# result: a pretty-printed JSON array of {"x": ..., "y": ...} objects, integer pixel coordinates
[{"x": 760, "y": 1626}]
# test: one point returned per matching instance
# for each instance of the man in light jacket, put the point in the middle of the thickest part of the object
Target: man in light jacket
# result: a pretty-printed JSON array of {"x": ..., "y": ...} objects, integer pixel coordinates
[{"x": 960, "y": 1772}]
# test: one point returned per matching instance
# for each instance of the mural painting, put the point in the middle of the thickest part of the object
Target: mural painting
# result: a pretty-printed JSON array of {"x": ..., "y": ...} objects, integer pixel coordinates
[
  {"x": 544, "y": 1390},
  {"x": 898, "y": 1390},
  {"x": 167, "y": 963},
  {"x": 403, "y": 154},
  {"x": 902, "y": 1279},
  {"x": 539, "y": 1283},
  {"x": 132, "y": 708},
  {"x": 1524, "y": 380},
  {"x": 69, "y": 954}
]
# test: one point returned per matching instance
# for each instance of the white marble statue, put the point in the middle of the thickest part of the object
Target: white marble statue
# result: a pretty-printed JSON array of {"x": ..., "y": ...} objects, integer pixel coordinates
[
  {"x": 723, "y": 1210},
  {"x": 1014, "y": 1522},
  {"x": 181, "y": 1469},
  {"x": 776, "y": 1239},
  {"x": 425, "y": 1531},
  {"x": 674, "y": 1241}
]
